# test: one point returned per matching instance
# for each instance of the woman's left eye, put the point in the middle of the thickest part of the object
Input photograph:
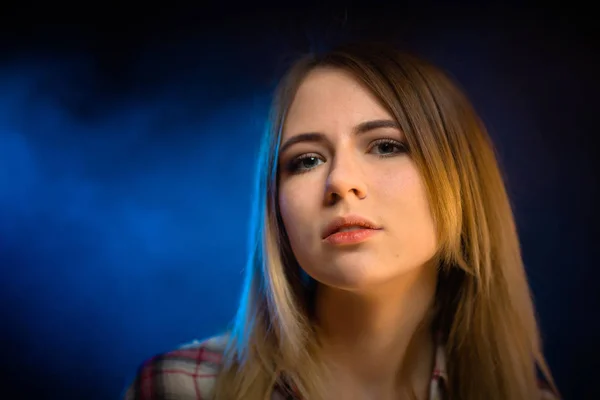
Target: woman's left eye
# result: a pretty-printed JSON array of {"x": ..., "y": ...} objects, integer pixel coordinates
[{"x": 388, "y": 147}]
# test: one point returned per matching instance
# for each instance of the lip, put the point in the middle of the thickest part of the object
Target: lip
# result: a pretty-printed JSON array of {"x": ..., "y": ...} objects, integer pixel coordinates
[
  {"x": 350, "y": 237},
  {"x": 349, "y": 221}
]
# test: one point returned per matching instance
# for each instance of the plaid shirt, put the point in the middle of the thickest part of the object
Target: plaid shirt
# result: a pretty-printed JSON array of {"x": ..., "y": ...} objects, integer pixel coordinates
[{"x": 189, "y": 373}]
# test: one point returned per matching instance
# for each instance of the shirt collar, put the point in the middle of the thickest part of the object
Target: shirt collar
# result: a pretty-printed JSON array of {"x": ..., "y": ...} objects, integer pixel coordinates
[{"x": 440, "y": 363}]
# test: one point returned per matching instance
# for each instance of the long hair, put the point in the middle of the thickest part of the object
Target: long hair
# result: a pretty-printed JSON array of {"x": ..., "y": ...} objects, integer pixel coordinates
[{"x": 485, "y": 312}]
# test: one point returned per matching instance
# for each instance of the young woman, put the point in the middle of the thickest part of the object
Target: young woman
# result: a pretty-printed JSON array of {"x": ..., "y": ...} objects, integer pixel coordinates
[{"x": 384, "y": 261}]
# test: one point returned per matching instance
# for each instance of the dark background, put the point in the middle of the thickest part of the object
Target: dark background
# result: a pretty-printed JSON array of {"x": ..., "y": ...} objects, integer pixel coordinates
[{"x": 128, "y": 136}]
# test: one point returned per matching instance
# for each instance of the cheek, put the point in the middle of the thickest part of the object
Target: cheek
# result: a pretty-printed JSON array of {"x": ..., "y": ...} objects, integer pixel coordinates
[
  {"x": 403, "y": 191},
  {"x": 420, "y": 228},
  {"x": 294, "y": 209},
  {"x": 405, "y": 196},
  {"x": 395, "y": 190}
]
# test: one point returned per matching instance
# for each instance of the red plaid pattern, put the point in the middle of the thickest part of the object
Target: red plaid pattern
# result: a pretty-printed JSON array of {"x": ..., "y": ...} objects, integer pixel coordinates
[{"x": 189, "y": 373}]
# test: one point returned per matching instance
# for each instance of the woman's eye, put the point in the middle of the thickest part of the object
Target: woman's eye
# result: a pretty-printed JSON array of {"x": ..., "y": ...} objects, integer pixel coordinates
[
  {"x": 388, "y": 147},
  {"x": 304, "y": 163}
]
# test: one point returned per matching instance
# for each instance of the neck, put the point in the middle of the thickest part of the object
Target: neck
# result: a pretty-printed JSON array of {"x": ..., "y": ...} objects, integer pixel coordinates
[{"x": 381, "y": 336}]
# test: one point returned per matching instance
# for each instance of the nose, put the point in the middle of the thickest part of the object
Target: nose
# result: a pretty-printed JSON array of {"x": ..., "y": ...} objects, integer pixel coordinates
[{"x": 345, "y": 180}]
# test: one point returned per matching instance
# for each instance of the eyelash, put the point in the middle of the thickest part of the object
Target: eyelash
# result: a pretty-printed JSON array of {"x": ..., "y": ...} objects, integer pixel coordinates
[{"x": 293, "y": 166}]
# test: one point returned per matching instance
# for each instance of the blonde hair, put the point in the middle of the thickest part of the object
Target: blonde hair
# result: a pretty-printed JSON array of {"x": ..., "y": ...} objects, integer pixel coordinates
[{"x": 485, "y": 311}]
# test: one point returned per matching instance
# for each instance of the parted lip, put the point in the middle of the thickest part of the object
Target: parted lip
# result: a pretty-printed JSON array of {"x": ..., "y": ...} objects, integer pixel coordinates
[{"x": 347, "y": 221}]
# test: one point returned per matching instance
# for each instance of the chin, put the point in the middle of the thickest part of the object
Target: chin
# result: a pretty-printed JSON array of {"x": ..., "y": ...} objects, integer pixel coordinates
[
  {"x": 363, "y": 277},
  {"x": 351, "y": 279}
]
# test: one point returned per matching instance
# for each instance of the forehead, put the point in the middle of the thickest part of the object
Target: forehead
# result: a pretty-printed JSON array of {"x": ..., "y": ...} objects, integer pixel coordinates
[{"x": 331, "y": 99}]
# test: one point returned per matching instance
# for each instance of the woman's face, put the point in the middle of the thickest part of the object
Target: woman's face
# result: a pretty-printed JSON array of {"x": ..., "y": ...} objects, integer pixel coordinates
[{"x": 348, "y": 159}]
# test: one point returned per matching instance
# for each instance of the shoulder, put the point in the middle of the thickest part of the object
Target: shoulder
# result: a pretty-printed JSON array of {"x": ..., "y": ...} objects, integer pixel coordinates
[{"x": 189, "y": 372}]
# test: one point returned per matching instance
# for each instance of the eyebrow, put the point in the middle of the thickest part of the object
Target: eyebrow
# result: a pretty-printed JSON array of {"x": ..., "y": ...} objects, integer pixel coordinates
[{"x": 363, "y": 127}]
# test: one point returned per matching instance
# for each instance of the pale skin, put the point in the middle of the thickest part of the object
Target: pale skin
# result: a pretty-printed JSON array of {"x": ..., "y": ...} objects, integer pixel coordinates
[{"x": 373, "y": 297}]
